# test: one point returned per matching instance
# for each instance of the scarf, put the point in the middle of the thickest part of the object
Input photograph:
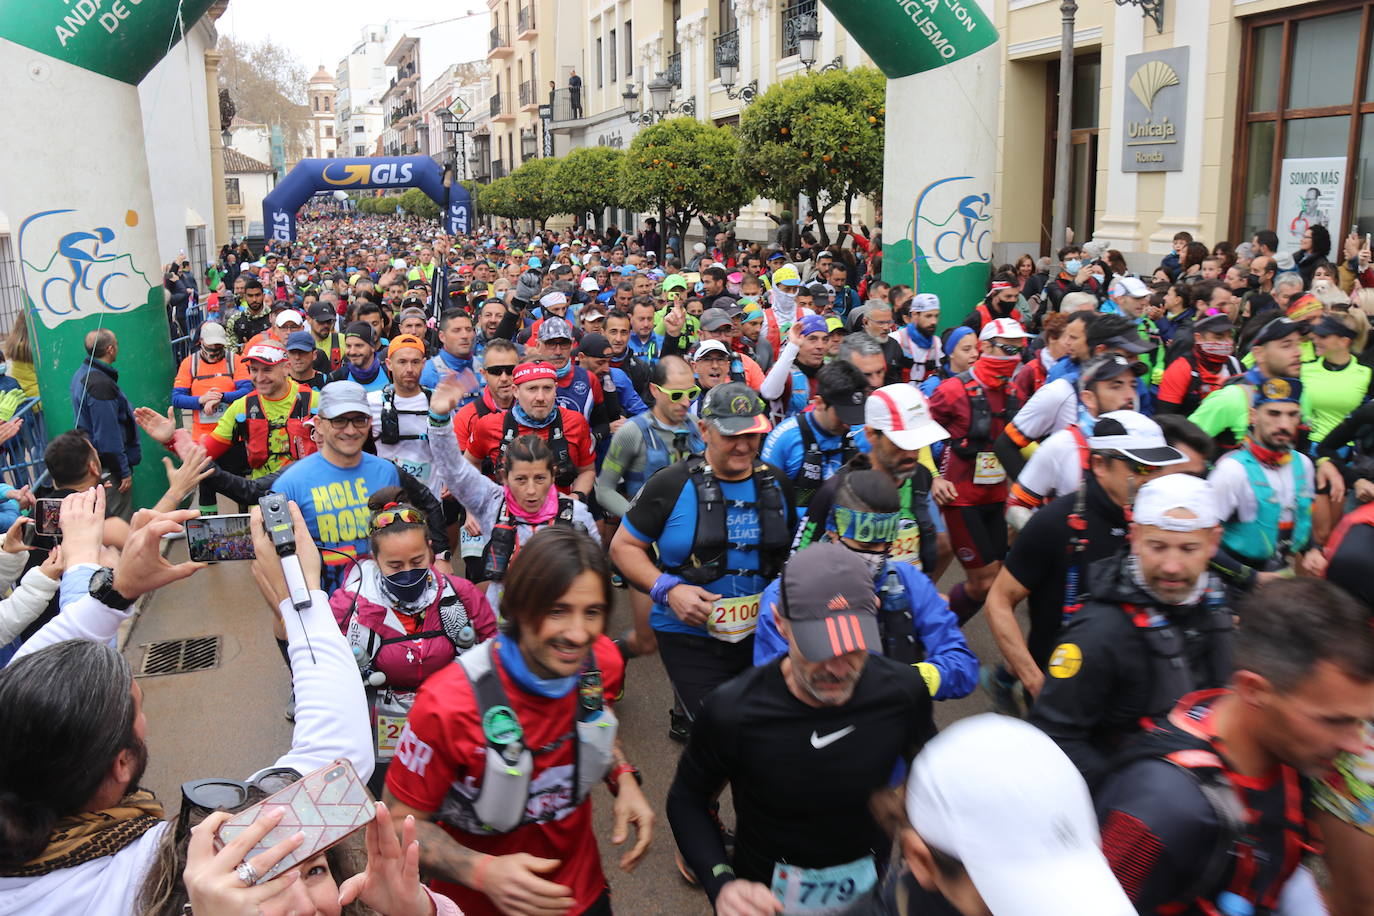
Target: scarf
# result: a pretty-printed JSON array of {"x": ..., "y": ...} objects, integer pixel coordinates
[
  {"x": 1269, "y": 457},
  {"x": 1065, "y": 367},
  {"x": 998, "y": 370},
  {"x": 784, "y": 305},
  {"x": 566, "y": 371},
  {"x": 91, "y": 835},
  {"x": 525, "y": 419},
  {"x": 551, "y": 688},
  {"x": 365, "y": 376},
  {"x": 456, "y": 363},
  {"x": 1196, "y": 595},
  {"x": 1213, "y": 354},
  {"x": 539, "y": 516}
]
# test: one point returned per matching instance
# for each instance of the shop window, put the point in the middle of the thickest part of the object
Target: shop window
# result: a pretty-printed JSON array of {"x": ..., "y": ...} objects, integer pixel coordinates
[{"x": 1323, "y": 60}]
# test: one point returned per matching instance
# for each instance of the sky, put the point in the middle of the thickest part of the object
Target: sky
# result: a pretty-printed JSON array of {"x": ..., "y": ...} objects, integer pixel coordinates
[{"x": 321, "y": 33}]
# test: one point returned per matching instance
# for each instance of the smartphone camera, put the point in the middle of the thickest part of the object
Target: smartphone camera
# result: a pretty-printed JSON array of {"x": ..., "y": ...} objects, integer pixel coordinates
[
  {"x": 217, "y": 538},
  {"x": 334, "y": 774}
]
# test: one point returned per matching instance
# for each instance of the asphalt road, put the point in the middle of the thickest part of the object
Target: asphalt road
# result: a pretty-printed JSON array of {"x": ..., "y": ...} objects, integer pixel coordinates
[{"x": 229, "y": 721}]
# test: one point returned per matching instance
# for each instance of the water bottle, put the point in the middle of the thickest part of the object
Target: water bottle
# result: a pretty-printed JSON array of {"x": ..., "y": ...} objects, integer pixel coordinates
[{"x": 1229, "y": 904}]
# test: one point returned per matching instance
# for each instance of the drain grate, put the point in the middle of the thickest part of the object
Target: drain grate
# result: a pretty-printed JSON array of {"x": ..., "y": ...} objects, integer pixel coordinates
[{"x": 178, "y": 656}]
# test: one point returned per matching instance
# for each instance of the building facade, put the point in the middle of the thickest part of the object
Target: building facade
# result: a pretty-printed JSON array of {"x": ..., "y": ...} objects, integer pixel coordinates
[
  {"x": 523, "y": 43},
  {"x": 361, "y": 78},
  {"x": 401, "y": 101},
  {"x": 246, "y": 182},
  {"x": 1221, "y": 118}
]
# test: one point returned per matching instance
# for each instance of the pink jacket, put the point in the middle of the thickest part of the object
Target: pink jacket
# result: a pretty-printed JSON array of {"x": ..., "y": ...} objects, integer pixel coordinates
[{"x": 407, "y": 663}]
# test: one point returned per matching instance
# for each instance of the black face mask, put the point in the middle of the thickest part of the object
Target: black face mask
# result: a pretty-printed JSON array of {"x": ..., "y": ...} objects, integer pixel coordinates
[
  {"x": 408, "y": 585},
  {"x": 1252, "y": 281}
]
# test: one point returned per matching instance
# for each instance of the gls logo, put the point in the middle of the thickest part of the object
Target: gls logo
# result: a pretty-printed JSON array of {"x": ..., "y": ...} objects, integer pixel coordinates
[{"x": 361, "y": 174}]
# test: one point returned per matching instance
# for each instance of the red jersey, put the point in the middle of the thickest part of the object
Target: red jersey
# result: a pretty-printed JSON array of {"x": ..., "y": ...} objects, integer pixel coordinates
[
  {"x": 467, "y": 416},
  {"x": 950, "y": 407},
  {"x": 485, "y": 441},
  {"x": 441, "y": 758}
]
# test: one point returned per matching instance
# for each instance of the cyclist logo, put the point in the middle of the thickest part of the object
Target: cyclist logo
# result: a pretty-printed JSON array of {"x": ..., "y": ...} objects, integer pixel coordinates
[
  {"x": 960, "y": 238},
  {"x": 85, "y": 273}
]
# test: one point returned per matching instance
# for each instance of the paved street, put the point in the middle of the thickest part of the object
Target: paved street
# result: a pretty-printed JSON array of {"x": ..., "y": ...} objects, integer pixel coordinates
[{"x": 228, "y": 721}]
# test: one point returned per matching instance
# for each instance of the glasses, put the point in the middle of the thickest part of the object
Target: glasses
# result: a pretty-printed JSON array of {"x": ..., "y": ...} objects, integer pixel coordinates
[
  {"x": 355, "y": 420},
  {"x": 679, "y": 394},
  {"x": 498, "y": 370},
  {"x": 1010, "y": 349},
  {"x": 391, "y": 516},
  {"x": 202, "y": 796},
  {"x": 1138, "y": 469}
]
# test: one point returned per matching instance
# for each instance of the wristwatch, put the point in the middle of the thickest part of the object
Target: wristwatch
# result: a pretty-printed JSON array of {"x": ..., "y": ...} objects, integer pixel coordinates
[{"x": 103, "y": 590}]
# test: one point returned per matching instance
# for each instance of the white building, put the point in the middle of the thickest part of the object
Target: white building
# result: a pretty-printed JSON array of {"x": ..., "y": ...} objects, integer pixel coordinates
[
  {"x": 246, "y": 183},
  {"x": 462, "y": 88},
  {"x": 360, "y": 80},
  {"x": 251, "y": 138}
]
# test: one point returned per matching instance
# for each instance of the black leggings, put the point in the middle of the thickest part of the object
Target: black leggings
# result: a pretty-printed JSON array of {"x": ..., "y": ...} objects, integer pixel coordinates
[{"x": 696, "y": 665}]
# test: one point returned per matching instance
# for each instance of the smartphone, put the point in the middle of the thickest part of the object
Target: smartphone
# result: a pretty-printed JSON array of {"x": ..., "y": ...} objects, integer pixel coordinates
[
  {"x": 27, "y": 534},
  {"x": 212, "y": 538},
  {"x": 47, "y": 514},
  {"x": 326, "y": 805}
]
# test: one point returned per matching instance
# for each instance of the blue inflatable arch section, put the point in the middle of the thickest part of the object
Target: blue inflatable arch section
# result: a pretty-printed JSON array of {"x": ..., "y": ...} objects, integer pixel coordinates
[{"x": 311, "y": 175}]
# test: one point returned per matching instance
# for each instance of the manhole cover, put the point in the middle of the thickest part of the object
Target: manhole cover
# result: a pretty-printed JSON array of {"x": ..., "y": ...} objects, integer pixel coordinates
[{"x": 178, "y": 656}]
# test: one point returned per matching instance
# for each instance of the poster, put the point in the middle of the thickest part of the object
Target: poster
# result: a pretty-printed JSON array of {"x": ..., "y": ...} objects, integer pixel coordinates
[{"x": 1311, "y": 193}]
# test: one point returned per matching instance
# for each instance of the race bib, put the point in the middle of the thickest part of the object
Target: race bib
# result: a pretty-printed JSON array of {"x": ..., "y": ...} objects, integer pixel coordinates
[
  {"x": 420, "y": 470},
  {"x": 823, "y": 891},
  {"x": 733, "y": 619},
  {"x": 211, "y": 414},
  {"x": 470, "y": 545},
  {"x": 987, "y": 470},
  {"x": 907, "y": 547},
  {"x": 388, "y": 735}
]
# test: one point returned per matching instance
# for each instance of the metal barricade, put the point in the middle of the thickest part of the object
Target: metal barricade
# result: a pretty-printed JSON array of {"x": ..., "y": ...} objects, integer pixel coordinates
[{"x": 21, "y": 458}]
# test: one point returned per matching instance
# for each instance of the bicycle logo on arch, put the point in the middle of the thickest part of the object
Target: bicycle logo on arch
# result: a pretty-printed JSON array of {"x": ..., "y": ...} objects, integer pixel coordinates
[
  {"x": 961, "y": 237},
  {"x": 85, "y": 270}
]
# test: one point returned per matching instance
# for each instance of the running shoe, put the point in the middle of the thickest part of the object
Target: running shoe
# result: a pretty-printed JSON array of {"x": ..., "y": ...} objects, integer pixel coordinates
[{"x": 679, "y": 726}]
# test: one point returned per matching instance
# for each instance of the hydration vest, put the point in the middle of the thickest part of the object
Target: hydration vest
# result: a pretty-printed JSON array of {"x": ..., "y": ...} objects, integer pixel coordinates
[
  {"x": 391, "y": 417},
  {"x": 564, "y": 471},
  {"x": 894, "y": 618},
  {"x": 454, "y": 621},
  {"x": 656, "y": 456},
  {"x": 979, "y": 436},
  {"x": 1198, "y": 387},
  {"x": 249, "y": 326},
  {"x": 1364, "y": 515},
  {"x": 500, "y": 547},
  {"x": 1178, "y": 739},
  {"x": 1078, "y": 524},
  {"x": 814, "y": 460},
  {"x": 260, "y": 429},
  {"x": 1260, "y": 540},
  {"x": 1170, "y": 678},
  {"x": 195, "y": 368},
  {"x": 502, "y": 802},
  {"x": 336, "y": 353},
  {"x": 711, "y": 543}
]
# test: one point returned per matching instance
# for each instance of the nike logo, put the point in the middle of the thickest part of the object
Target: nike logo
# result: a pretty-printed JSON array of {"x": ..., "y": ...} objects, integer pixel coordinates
[{"x": 819, "y": 741}]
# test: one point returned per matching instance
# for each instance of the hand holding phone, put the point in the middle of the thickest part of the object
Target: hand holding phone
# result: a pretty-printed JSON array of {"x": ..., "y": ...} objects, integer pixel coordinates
[
  {"x": 48, "y": 516},
  {"x": 326, "y": 806},
  {"x": 215, "y": 538}
]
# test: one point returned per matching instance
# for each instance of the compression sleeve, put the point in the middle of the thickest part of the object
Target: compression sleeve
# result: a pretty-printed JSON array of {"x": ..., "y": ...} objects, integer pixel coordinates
[
  {"x": 775, "y": 383},
  {"x": 476, "y": 493},
  {"x": 622, "y": 454},
  {"x": 701, "y": 774}
]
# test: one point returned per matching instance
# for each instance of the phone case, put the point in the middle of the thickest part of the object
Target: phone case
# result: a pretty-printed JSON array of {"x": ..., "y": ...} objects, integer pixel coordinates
[{"x": 326, "y": 805}]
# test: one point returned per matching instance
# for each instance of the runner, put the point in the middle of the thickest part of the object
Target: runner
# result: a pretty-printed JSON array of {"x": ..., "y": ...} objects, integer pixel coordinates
[
  {"x": 400, "y": 432},
  {"x": 840, "y": 716},
  {"x": 810, "y": 447},
  {"x": 362, "y": 366}
]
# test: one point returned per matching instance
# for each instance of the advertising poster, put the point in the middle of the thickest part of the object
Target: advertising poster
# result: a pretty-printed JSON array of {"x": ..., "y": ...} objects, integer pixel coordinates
[{"x": 1311, "y": 193}]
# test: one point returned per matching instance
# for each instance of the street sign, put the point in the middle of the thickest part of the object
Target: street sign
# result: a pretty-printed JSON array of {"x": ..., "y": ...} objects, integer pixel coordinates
[
  {"x": 459, "y": 107},
  {"x": 466, "y": 127},
  {"x": 545, "y": 112}
]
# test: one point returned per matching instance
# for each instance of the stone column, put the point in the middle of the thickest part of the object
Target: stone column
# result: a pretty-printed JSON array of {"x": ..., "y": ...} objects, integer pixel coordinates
[{"x": 221, "y": 233}]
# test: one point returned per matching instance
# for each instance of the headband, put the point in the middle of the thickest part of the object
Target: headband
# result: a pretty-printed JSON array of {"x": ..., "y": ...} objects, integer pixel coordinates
[
  {"x": 533, "y": 372},
  {"x": 865, "y": 527}
]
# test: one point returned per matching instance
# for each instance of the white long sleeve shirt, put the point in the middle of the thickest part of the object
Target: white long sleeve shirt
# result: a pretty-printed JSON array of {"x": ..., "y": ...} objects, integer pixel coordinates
[
  {"x": 331, "y": 722},
  {"x": 29, "y": 599}
]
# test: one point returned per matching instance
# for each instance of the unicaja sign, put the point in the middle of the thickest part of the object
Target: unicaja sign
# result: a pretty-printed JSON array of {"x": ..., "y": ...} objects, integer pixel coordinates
[{"x": 1154, "y": 110}]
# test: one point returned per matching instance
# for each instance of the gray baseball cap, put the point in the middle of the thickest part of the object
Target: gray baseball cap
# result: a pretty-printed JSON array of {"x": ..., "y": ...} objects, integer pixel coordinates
[
  {"x": 343, "y": 397},
  {"x": 827, "y": 598}
]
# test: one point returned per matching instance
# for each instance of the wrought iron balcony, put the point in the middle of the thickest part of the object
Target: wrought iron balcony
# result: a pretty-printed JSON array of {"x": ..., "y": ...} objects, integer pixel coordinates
[{"x": 797, "y": 16}]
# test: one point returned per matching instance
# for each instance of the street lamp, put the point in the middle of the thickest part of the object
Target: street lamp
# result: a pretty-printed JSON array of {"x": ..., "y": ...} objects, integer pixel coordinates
[
  {"x": 528, "y": 145},
  {"x": 727, "y": 60},
  {"x": 807, "y": 40},
  {"x": 660, "y": 87},
  {"x": 660, "y": 105}
]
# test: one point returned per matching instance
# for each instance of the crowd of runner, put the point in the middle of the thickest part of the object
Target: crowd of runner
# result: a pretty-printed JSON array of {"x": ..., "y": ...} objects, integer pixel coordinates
[{"x": 777, "y": 457}]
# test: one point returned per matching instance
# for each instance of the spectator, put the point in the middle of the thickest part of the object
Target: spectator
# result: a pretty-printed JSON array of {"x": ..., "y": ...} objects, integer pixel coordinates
[{"x": 103, "y": 413}]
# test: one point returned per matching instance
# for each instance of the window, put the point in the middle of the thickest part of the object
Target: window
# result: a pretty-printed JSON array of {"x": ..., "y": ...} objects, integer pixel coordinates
[
  {"x": 315, "y": 102},
  {"x": 360, "y": 150},
  {"x": 1302, "y": 96},
  {"x": 329, "y": 130},
  {"x": 610, "y": 63},
  {"x": 600, "y": 81},
  {"x": 195, "y": 249},
  {"x": 236, "y": 228},
  {"x": 11, "y": 297},
  {"x": 630, "y": 49},
  {"x": 232, "y": 196},
  {"x": 358, "y": 128}
]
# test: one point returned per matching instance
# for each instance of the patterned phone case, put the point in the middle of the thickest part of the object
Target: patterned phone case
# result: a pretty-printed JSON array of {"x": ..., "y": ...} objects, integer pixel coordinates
[{"x": 326, "y": 805}]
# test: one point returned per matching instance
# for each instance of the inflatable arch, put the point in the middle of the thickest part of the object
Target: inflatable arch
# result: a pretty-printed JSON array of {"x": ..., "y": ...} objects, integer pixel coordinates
[{"x": 311, "y": 175}]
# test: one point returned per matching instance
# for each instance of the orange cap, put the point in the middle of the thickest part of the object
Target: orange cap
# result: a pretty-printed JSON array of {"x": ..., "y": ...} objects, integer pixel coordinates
[{"x": 401, "y": 341}]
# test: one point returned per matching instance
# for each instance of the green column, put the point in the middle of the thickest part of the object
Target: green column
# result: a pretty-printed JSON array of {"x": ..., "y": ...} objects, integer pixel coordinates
[{"x": 79, "y": 201}]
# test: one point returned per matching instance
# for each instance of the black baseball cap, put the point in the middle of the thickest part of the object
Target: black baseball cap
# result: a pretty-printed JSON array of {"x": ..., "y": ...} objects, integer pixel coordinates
[
  {"x": 827, "y": 597},
  {"x": 1107, "y": 366},
  {"x": 322, "y": 311},
  {"x": 1328, "y": 325},
  {"x": 842, "y": 396},
  {"x": 735, "y": 409},
  {"x": 714, "y": 318},
  {"x": 1278, "y": 329},
  {"x": 594, "y": 345},
  {"x": 1214, "y": 324}
]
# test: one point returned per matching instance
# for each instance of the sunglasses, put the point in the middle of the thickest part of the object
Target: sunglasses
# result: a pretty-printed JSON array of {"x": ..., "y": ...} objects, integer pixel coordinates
[
  {"x": 202, "y": 796},
  {"x": 390, "y": 516},
  {"x": 1138, "y": 469},
  {"x": 679, "y": 394},
  {"x": 498, "y": 370},
  {"x": 1010, "y": 349},
  {"x": 357, "y": 421}
]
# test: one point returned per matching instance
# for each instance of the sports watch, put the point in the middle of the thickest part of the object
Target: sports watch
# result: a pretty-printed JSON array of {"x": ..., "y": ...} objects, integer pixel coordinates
[{"x": 102, "y": 589}]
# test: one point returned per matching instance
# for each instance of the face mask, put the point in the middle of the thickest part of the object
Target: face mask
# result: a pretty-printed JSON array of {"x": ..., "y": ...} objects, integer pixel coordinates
[
  {"x": 1252, "y": 281},
  {"x": 1220, "y": 349},
  {"x": 998, "y": 367},
  {"x": 407, "y": 585},
  {"x": 1099, "y": 277},
  {"x": 1073, "y": 265}
]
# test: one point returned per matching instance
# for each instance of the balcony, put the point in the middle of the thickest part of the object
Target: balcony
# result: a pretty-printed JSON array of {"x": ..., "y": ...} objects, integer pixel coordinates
[
  {"x": 674, "y": 71},
  {"x": 726, "y": 51},
  {"x": 500, "y": 44},
  {"x": 563, "y": 108},
  {"x": 405, "y": 72},
  {"x": 529, "y": 95},
  {"x": 524, "y": 23},
  {"x": 404, "y": 111},
  {"x": 797, "y": 17},
  {"x": 498, "y": 169},
  {"x": 501, "y": 108}
]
